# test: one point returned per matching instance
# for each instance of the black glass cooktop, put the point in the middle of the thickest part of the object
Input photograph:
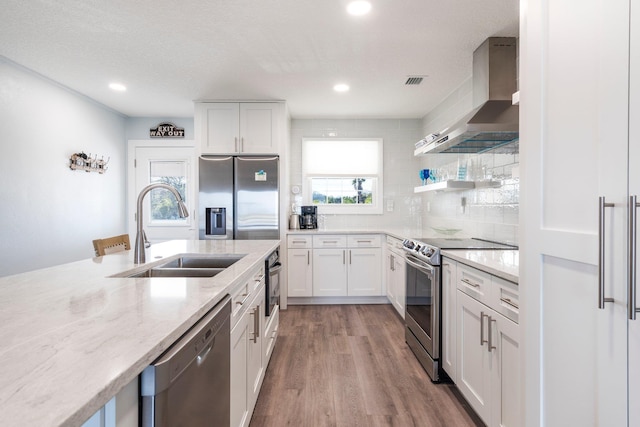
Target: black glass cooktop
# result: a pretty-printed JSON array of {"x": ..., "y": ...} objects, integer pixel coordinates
[{"x": 472, "y": 243}]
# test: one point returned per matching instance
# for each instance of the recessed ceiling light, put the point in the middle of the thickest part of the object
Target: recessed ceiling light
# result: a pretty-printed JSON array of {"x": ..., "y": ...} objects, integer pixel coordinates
[
  {"x": 359, "y": 7},
  {"x": 341, "y": 87},
  {"x": 118, "y": 87}
]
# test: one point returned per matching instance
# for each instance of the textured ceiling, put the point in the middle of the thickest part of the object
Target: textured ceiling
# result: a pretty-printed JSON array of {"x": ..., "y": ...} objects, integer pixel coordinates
[{"x": 170, "y": 53}]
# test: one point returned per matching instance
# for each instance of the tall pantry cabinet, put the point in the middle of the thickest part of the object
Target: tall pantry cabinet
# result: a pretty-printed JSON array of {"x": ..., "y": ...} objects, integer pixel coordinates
[{"x": 579, "y": 140}]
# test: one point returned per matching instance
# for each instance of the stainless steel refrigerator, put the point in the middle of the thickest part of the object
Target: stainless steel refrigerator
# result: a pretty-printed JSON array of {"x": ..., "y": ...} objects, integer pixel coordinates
[{"x": 239, "y": 197}]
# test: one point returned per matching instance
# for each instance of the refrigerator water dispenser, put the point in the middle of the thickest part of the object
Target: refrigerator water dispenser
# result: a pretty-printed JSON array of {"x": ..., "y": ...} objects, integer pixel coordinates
[{"x": 216, "y": 221}]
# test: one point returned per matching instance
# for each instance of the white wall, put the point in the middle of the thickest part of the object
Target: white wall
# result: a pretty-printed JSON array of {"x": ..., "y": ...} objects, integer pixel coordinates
[
  {"x": 400, "y": 166},
  {"x": 50, "y": 214}
]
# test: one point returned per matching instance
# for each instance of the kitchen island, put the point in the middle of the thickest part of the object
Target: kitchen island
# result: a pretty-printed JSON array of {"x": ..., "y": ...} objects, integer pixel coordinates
[{"x": 72, "y": 337}]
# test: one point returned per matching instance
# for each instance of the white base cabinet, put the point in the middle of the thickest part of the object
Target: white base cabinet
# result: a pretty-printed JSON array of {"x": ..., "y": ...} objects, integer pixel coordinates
[
  {"x": 347, "y": 265},
  {"x": 299, "y": 266},
  {"x": 239, "y": 378},
  {"x": 449, "y": 345},
  {"x": 395, "y": 277},
  {"x": 329, "y": 272},
  {"x": 335, "y": 266},
  {"x": 486, "y": 366},
  {"x": 251, "y": 347}
]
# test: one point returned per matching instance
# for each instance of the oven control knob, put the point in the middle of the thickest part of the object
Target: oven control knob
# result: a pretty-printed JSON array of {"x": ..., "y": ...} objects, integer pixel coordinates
[
  {"x": 408, "y": 244},
  {"x": 428, "y": 252}
]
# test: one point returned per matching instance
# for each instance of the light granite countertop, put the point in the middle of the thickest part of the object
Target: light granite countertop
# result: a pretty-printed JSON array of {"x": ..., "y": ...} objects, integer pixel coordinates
[
  {"x": 72, "y": 337},
  {"x": 500, "y": 263}
]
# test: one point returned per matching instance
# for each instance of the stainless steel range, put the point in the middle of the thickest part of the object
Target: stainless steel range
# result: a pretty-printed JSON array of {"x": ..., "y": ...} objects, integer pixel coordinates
[{"x": 424, "y": 286}]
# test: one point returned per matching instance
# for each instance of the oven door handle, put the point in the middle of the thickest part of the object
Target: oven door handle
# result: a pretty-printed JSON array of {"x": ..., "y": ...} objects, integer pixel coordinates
[{"x": 420, "y": 266}]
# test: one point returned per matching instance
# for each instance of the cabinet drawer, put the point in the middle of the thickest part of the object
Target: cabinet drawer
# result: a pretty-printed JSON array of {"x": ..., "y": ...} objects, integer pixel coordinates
[
  {"x": 299, "y": 242},
  {"x": 364, "y": 241},
  {"x": 505, "y": 298},
  {"x": 475, "y": 283},
  {"x": 330, "y": 241},
  {"x": 243, "y": 293},
  {"x": 240, "y": 300}
]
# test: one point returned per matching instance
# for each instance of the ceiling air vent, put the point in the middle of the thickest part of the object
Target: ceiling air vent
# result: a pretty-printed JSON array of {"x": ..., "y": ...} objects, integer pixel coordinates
[{"x": 414, "y": 80}]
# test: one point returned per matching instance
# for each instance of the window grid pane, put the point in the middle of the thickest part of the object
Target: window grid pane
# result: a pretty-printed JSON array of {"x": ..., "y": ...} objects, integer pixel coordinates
[
  {"x": 163, "y": 205},
  {"x": 351, "y": 190}
]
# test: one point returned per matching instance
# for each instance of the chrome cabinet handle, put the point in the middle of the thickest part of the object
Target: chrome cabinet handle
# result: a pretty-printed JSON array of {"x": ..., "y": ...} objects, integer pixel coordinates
[
  {"x": 344, "y": 253},
  {"x": 631, "y": 277},
  {"x": 349, "y": 257},
  {"x": 245, "y": 295},
  {"x": 235, "y": 144},
  {"x": 601, "y": 257},
  {"x": 470, "y": 283},
  {"x": 482, "y": 316},
  {"x": 256, "y": 324},
  {"x": 308, "y": 258},
  {"x": 490, "y": 345},
  {"x": 241, "y": 143},
  {"x": 509, "y": 302}
]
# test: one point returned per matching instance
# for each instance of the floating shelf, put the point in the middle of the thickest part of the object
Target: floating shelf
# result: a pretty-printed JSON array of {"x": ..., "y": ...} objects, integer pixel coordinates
[{"x": 455, "y": 185}]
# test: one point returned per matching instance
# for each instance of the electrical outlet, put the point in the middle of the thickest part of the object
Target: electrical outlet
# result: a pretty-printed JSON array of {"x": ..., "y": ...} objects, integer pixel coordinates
[{"x": 390, "y": 205}]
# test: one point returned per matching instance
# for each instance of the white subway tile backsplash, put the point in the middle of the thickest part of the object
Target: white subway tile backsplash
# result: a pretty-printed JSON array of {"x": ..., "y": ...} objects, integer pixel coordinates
[{"x": 490, "y": 213}]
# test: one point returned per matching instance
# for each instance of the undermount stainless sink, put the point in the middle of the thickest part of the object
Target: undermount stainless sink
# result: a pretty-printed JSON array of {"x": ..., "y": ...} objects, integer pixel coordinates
[
  {"x": 203, "y": 261},
  {"x": 191, "y": 265},
  {"x": 177, "y": 272}
]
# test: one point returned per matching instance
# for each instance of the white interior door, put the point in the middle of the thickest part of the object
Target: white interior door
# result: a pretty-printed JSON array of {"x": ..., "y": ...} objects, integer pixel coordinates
[
  {"x": 573, "y": 131},
  {"x": 175, "y": 166}
]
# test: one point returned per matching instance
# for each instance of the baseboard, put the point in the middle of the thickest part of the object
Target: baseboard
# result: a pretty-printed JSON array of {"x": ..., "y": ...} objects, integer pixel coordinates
[{"x": 336, "y": 300}]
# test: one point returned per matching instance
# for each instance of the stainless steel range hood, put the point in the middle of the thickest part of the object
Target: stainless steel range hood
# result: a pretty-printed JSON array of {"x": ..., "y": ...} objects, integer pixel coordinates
[{"x": 494, "y": 120}]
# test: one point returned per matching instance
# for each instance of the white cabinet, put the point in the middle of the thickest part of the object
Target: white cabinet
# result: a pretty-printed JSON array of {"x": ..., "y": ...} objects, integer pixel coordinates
[
  {"x": 364, "y": 272},
  {"x": 449, "y": 307},
  {"x": 487, "y": 365},
  {"x": 347, "y": 265},
  {"x": 335, "y": 265},
  {"x": 488, "y": 370},
  {"x": 473, "y": 379},
  {"x": 505, "y": 372},
  {"x": 255, "y": 365},
  {"x": 239, "y": 127},
  {"x": 270, "y": 335},
  {"x": 239, "y": 379},
  {"x": 329, "y": 272},
  {"x": 250, "y": 347},
  {"x": 299, "y": 266},
  {"x": 395, "y": 275},
  {"x": 583, "y": 375}
]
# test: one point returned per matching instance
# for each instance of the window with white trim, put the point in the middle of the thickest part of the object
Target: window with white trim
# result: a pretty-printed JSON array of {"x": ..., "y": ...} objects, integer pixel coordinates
[{"x": 343, "y": 176}]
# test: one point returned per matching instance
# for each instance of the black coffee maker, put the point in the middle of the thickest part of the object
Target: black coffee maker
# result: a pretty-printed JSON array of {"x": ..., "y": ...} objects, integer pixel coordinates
[{"x": 308, "y": 217}]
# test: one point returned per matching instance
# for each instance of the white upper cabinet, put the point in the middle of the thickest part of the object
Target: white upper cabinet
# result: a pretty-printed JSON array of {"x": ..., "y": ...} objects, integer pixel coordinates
[{"x": 240, "y": 127}]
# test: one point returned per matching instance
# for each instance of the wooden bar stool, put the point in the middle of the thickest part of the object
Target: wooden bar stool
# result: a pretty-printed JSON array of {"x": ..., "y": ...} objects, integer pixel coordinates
[{"x": 111, "y": 245}]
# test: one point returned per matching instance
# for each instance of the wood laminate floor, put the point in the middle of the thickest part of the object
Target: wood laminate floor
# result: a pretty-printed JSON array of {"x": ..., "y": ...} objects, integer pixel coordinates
[{"x": 348, "y": 365}]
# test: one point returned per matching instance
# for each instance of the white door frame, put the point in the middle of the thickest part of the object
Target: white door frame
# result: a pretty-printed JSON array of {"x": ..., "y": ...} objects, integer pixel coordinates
[{"x": 132, "y": 195}]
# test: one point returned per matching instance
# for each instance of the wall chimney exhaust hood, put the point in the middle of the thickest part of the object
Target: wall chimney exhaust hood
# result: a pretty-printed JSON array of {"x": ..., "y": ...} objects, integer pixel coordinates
[{"x": 494, "y": 120}]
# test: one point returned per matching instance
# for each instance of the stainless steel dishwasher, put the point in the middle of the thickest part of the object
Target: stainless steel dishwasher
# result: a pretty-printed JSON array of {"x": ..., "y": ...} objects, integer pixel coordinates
[{"x": 189, "y": 384}]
